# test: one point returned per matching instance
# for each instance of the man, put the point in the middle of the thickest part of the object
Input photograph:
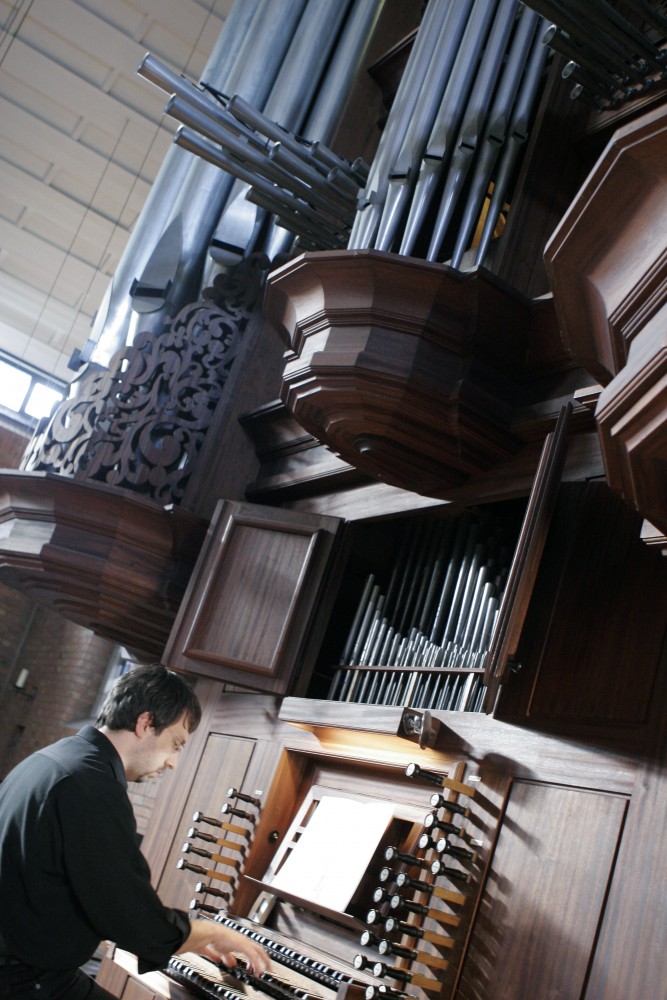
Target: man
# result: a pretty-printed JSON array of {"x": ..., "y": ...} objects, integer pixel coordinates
[{"x": 71, "y": 872}]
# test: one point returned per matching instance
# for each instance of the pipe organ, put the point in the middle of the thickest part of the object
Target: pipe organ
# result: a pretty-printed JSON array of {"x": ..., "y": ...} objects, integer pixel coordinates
[{"x": 429, "y": 518}]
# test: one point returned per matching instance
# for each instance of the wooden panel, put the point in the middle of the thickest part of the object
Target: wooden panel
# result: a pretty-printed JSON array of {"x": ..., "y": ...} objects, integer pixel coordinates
[
  {"x": 604, "y": 665},
  {"x": 111, "y": 976},
  {"x": 526, "y": 560},
  {"x": 135, "y": 991},
  {"x": 631, "y": 958},
  {"x": 607, "y": 269},
  {"x": 255, "y": 569},
  {"x": 224, "y": 763},
  {"x": 608, "y": 272},
  {"x": 537, "y": 922},
  {"x": 249, "y": 604}
]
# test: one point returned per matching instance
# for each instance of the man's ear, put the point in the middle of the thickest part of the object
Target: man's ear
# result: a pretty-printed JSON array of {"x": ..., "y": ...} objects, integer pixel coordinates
[{"x": 143, "y": 724}]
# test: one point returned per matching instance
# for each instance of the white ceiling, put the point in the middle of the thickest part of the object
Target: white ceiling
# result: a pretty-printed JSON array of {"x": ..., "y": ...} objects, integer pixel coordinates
[{"x": 81, "y": 140}]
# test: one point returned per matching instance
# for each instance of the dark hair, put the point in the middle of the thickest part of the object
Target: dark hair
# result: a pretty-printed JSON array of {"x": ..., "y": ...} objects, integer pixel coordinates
[{"x": 152, "y": 689}]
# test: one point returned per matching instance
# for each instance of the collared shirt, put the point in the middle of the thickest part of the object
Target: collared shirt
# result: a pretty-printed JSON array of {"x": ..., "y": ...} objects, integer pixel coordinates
[{"x": 71, "y": 872}]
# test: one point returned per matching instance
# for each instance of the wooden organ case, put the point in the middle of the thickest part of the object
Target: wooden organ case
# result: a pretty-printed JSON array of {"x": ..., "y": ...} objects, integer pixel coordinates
[
  {"x": 503, "y": 865},
  {"x": 524, "y": 851}
]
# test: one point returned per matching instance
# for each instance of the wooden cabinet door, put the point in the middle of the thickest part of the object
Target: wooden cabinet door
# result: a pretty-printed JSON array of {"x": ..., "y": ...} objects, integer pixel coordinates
[
  {"x": 540, "y": 910},
  {"x": 252, "y": 603}
]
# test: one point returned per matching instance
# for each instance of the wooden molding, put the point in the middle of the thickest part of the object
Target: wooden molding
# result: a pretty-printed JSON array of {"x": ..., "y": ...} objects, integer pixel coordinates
[
  {"x": 103, "y": 557},
  {"x": 607, "y": 263},
  {"x": 410, "y": 371},
  {"x": 607, "y": 260},
  {"x": 632, "y": 424}
]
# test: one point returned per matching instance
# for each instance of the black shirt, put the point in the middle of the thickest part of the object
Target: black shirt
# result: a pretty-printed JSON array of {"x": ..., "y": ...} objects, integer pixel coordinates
[{"x": 71, "y": 872}]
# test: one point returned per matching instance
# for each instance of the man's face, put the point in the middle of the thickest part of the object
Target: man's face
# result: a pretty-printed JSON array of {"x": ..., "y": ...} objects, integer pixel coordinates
[{"x": 157, "y": 752}]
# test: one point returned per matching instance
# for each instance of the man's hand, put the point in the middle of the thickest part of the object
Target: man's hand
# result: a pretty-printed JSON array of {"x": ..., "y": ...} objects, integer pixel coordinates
[{"x": 218, "y": 943}]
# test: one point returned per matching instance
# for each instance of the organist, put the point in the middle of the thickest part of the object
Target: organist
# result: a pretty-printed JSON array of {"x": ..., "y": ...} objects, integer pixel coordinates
[{"x": 71, "y": 873}]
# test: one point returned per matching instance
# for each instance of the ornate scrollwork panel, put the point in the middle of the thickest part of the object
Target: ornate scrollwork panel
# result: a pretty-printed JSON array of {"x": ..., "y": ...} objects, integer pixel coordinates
[{"x": 141, "y": 424}]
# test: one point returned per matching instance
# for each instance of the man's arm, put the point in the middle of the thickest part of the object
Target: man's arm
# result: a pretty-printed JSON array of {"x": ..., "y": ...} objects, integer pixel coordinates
[{"x": 219, "y": 943}]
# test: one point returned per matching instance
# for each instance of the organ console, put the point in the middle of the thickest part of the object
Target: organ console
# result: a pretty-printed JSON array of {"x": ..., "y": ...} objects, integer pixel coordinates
[{"x": 302, "y": 970}]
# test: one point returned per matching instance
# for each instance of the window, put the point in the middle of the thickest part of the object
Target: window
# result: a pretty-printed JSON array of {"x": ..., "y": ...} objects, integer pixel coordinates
[{"x": 27, "y": 393}]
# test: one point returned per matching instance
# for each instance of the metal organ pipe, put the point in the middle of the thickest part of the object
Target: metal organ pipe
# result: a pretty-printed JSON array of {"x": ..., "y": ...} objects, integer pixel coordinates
[
  {"x": 112, "y": 323},
  {"x": 436, "y": 615},
  {"x": 495, "y": 132},
  {"x": 201, "y": 200},
  {"x": 517, "y": 134},
  {"x": 327, "y": 206},
  {"x": 612, "y": 59},
  {"x": 290, "y": 96},
  {"x": 473, "y": 121},
  {"x": 441, "y": 142},
  {"x": 372, "y": 200},
  {"x": 406, "y": 165},
  {"x": 468, "y": 58}
]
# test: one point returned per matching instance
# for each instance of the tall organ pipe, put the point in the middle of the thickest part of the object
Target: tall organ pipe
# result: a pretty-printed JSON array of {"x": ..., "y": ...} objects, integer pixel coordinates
[
  {"x": 333, "y": 93},
  {"x": 287, "y": 103},
  {"x": 112, "y": 322},
  {"x": 405, "y": 168},
  {"x": 403, "y": 107},
  {"x": 495, "y": 133},
  {"x": 517, "y": 133},
  {"x": 442, "y": 141},
  {"x": 206, "y": 191},
  {"x": 474, "y": 119}
]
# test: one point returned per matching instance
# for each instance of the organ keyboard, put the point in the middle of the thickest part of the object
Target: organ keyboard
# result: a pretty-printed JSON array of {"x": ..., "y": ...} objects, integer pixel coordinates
[{"x": 294, "y": 975}]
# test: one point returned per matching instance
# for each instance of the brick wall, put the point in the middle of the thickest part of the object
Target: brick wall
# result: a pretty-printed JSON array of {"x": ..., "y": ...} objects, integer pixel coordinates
[{"x": 66, "y": 665}]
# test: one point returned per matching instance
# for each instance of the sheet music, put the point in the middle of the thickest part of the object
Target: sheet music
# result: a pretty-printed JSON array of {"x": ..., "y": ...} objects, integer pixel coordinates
[{"x": 328, "y": 861}]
